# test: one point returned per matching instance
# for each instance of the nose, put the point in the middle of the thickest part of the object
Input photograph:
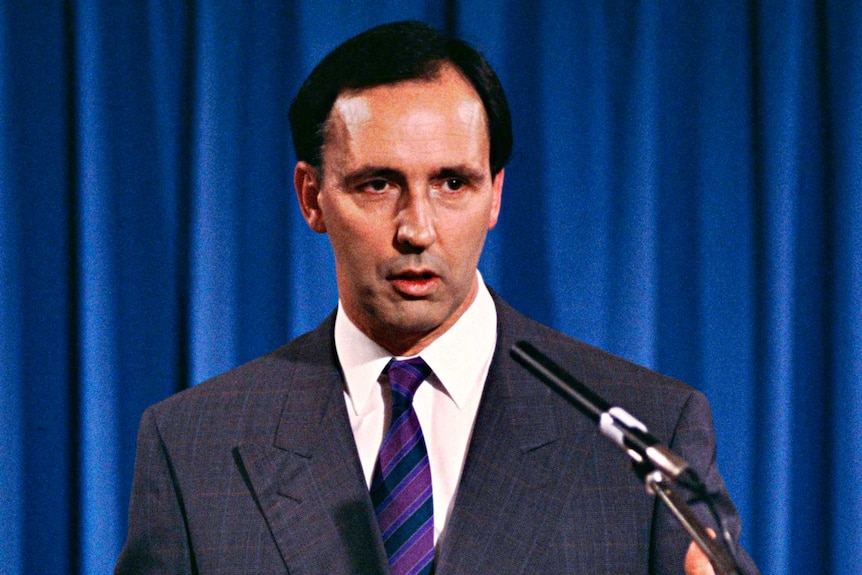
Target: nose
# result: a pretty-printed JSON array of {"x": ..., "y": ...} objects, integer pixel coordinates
[{"x": 416, "y": 231}]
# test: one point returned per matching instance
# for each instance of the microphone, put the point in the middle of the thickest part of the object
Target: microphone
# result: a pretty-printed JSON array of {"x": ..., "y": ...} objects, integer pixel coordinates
[{"x": 617, "y": 424}]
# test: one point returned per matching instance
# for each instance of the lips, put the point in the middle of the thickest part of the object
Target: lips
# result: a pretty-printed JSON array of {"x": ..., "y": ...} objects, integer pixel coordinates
[{"x": 414, "y": 283}]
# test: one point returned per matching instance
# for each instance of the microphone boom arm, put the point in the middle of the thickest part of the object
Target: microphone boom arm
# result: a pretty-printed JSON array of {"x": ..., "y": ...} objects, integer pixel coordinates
[{"x": 655, "y": 463}]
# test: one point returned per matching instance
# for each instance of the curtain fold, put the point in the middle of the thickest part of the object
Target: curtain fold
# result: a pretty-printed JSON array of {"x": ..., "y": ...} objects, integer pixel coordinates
[
  {"x": 685, "y": 191},
  {"x": 39, "y": 411},
  {"x": 842, "y": 59}
]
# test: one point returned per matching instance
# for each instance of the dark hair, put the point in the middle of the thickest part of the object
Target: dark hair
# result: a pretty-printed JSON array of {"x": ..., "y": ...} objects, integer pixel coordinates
[{"x": 389, "y": 54}]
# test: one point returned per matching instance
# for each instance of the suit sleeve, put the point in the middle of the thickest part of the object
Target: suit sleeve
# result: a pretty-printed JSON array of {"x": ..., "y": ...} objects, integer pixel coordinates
[
  {"x": 157, "y": 541},
  {"x": 694, "y": 440}
]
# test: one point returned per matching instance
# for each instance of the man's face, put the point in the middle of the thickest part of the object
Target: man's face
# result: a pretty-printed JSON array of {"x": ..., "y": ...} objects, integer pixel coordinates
[{"x": 406, "y": 196}]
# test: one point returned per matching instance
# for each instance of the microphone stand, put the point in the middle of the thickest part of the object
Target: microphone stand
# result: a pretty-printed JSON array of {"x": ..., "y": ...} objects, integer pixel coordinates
[
  {"x": 657, "y": 484},
  {"x": 654, "y": 463}
]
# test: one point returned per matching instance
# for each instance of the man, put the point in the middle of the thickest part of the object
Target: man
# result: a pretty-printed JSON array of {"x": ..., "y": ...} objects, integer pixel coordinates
[{"x": 295, "y": 462}]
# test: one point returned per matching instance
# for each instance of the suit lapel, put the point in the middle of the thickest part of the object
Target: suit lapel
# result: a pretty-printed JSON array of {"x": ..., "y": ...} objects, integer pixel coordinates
[
  {"x": 308, "y": 482},
  {"x": 511, "y": 489}
]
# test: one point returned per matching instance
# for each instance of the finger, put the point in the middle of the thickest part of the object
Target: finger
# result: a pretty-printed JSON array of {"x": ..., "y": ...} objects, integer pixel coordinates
[{"x": 696, "y": 561}]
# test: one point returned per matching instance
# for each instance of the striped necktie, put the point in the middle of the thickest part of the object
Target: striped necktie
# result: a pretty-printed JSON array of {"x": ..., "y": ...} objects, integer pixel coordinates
[{"x": 401, "y": 484}]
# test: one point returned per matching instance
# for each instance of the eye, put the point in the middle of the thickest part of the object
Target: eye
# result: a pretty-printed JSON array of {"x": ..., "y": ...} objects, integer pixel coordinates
[
  {"x": 376, "y": 186},
  {"x": 453, "y": 184}
]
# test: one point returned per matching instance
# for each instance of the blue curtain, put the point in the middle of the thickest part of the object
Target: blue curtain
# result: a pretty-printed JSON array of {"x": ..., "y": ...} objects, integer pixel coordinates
[{"x": 686, "y": 191}]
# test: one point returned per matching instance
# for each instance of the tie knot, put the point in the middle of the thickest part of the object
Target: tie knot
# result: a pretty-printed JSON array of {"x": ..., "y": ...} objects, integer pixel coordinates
[{"x": 406, "y": 375}]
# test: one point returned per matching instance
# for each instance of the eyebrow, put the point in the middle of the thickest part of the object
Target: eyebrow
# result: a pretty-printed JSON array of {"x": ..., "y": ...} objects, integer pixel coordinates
[
  {"x": 461, "y": 171},
  {"x": 372, "y": 172}
]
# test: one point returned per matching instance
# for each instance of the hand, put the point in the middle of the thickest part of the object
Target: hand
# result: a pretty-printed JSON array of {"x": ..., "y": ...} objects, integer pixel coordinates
[{"x": 696, "y": 561}]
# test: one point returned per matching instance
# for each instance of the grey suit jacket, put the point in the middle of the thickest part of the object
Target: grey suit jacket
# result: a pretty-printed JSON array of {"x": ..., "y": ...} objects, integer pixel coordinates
[{"x": 256, "y": 471}]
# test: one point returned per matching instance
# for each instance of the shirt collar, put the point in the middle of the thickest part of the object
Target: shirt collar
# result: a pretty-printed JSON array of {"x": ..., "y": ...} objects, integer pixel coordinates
[{"x": 459, "y": 357}]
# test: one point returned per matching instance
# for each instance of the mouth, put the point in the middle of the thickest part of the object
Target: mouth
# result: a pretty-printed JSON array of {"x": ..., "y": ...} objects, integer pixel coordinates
[{"x": 414, "y": 283}]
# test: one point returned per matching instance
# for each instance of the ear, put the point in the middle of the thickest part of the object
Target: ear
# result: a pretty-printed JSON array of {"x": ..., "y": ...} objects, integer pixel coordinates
[
  {"x": 306, "y": 180},
  {"x": 496, "y": 198}
]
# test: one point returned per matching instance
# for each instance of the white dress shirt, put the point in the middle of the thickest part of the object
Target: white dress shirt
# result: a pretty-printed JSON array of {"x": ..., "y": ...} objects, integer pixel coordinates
[{"x": 446, "y": 408}]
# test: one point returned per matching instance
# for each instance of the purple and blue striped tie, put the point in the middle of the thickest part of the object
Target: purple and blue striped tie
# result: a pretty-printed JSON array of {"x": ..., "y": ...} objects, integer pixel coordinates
[{"x": 401, "y": 484}]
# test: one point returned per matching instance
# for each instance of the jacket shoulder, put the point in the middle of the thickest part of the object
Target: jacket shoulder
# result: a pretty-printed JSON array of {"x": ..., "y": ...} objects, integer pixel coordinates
[
  {"x": 259, "y": 385},
  {"x": 638, "y": 389}
]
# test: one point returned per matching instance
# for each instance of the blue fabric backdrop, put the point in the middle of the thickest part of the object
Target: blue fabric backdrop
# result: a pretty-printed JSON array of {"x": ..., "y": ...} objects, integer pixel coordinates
[{"x": 686, "y": 191}]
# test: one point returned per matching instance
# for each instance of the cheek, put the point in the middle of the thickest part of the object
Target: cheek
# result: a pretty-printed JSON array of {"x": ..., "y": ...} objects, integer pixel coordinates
[
  {"x": 468, "y": 237},
  {"x": 358, "y": 243}
]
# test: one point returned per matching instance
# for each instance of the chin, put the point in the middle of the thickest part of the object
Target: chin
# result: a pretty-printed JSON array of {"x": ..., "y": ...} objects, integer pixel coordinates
[
  {"x": 412, "y": 322},
  {"x": 414, "y": 328}
]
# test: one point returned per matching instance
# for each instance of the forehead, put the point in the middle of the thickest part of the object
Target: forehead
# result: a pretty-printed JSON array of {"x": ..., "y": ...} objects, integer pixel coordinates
[{"x": 442, "y": 114}]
